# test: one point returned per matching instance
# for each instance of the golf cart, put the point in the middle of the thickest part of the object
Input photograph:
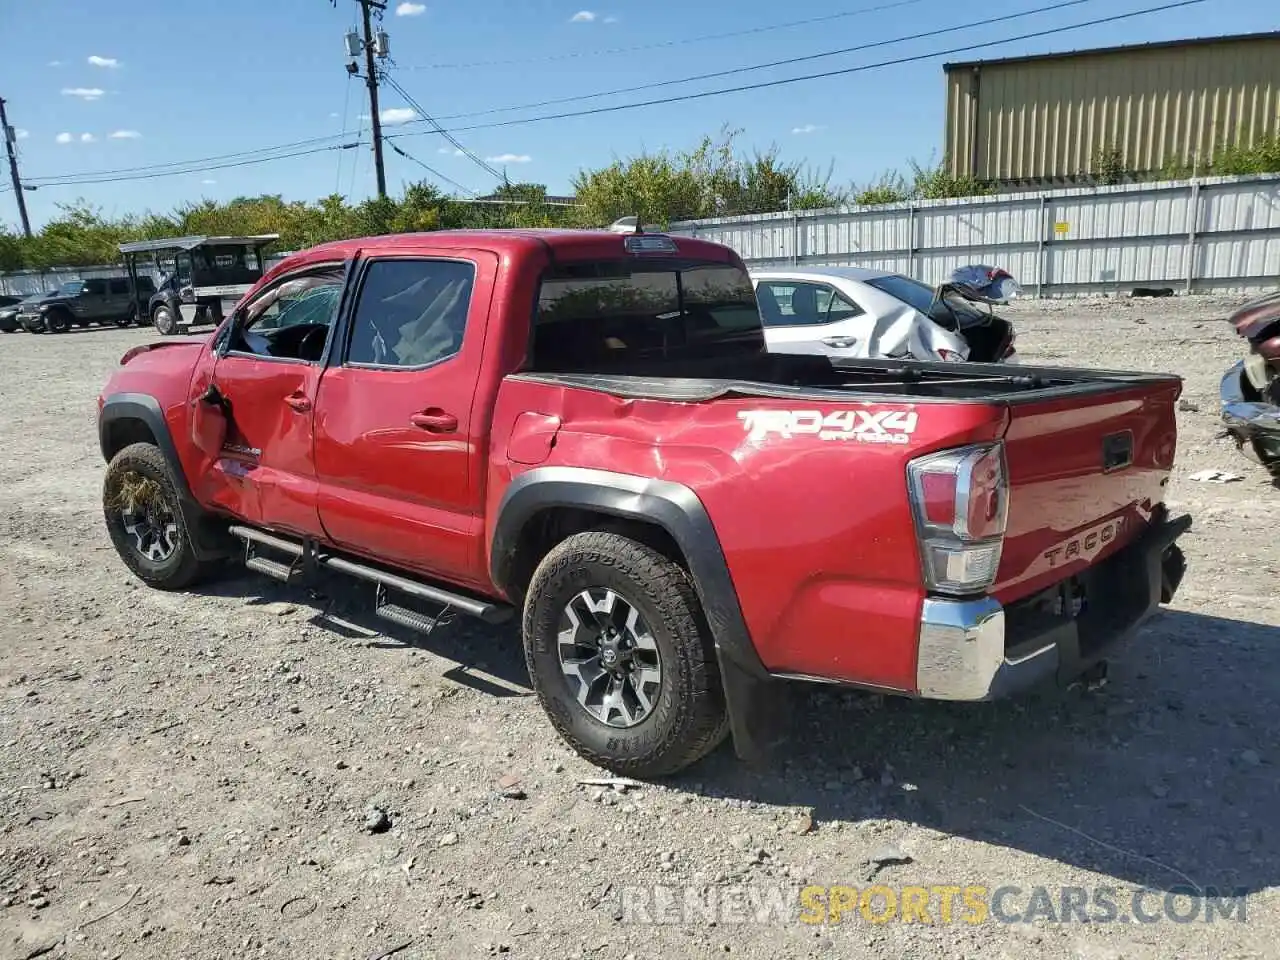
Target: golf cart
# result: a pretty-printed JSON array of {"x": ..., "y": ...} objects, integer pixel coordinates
[{"x": 201, "y": 278}]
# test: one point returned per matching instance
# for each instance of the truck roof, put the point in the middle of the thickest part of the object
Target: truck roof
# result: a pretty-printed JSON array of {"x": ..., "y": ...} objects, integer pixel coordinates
[{"x": 570, "y": 244}]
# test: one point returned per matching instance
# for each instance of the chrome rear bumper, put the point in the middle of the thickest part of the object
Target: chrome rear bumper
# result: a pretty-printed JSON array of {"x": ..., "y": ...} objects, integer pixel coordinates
[{"x": 978, "y": 650}]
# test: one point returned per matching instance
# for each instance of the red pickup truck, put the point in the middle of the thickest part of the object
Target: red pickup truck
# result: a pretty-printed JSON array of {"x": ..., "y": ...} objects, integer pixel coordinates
[{"x": 586, "y": 428}]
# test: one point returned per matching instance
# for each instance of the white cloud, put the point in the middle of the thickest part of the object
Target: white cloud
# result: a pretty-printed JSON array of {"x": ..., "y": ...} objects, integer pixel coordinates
[
  {"x": 125, "y": 135},
  {"x": 411, "y": 9},
  {"x": 455, "y": 152},
  {"x": 64, "y": 138},
  {"x": 334, "y": 115},
  {"x": 84, "y": 93},
  {"x": 87, "y": 138},
  {"x": 96, "y": 61},
  {"x": 21, "y": 134},
  {"x": 807, "y": 128},
  {"x": 610, "y": 19},
  {"x": 55, "y": 63},
  {"x": 582, "y": 16},
  {"x": 509, "y": 158},
  {"x": 208, "y": 183},
  {"x": 394, "y": 115}
]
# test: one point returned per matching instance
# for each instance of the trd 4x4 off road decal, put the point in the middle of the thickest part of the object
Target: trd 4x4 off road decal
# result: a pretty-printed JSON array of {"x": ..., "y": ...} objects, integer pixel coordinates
[{"x": 861, "y": 426}]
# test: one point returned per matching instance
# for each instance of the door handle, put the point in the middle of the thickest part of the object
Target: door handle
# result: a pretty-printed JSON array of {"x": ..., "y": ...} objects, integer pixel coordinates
[
  {"x": 299, "y": 402},
  {"x": 437, "y": 421}
]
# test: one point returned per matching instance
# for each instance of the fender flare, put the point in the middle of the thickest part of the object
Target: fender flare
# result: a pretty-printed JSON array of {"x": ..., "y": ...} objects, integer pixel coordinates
[
  {"x": 146, "y": 409},
  {"x": 751, "y": 699}
]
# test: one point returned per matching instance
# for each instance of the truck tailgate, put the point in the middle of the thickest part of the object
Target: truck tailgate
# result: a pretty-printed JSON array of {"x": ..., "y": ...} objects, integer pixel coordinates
[{"x": 1084, "y": 475}]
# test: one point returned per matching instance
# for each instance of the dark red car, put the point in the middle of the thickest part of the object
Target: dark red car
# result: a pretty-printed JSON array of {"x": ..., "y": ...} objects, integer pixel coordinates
[
  {"x": 1250, "y": 390},
  {"x": 584, "y": 431}
]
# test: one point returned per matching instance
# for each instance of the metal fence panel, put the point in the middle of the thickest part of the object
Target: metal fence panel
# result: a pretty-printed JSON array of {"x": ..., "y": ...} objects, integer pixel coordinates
[{"x": 1212, "y": 235}]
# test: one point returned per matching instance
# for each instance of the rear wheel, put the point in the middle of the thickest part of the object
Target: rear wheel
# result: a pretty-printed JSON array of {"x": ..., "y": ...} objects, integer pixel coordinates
[
  {"x": 144, "y": 519},
  {"x": 621, "y": 657},
  {"x": 165, "y": 321}
]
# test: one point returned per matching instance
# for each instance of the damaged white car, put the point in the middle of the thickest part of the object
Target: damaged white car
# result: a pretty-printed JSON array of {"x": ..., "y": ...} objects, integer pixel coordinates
[{"x": 854, "y": 312}]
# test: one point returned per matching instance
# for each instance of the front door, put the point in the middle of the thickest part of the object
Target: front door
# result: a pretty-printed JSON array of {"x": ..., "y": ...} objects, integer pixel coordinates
[
  {"x": 398, "y": 454},
  {"x": 91, "y": 305},
  {"x": 264, "y": 380}
]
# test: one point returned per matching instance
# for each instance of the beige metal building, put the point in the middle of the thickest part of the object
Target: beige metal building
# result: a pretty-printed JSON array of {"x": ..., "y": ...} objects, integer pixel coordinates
[{"x": 1065, "y": 118}]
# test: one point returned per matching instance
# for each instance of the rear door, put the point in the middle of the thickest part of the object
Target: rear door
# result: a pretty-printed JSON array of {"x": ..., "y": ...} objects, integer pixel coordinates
[
  {"x": 398, "y": 451},
  {"x": 800, "y": 316},
  {"x": 266, "y": 370},
  {"x": 118, "y": 302}
]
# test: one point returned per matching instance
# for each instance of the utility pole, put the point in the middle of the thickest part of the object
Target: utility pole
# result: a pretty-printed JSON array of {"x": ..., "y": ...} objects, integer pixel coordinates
[
  {"x": 371, "y": 45},
  {"x": 9, "y": 138}
]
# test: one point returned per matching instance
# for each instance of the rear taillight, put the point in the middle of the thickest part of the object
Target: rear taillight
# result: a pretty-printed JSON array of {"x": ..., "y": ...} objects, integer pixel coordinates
[{"x": 960, "y": 499}]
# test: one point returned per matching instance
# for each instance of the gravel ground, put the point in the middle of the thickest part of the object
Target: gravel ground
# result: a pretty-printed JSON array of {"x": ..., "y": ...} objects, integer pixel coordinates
[{"x": 192, "y": 775}]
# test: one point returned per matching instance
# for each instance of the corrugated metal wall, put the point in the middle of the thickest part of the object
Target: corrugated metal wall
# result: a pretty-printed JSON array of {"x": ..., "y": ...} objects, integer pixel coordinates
[
  {"x": 1220, "y": 234},
  {"x": 1045, "y": 120}
]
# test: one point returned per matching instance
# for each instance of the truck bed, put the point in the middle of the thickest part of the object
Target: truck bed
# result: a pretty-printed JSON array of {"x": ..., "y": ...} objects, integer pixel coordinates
[{"x": 798, "y": 378}]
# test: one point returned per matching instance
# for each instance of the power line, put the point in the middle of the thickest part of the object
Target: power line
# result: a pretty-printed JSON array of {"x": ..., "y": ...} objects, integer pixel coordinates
[
  {"x": 395, "y": 85},
  {"x": 681, "y": 98},
  {"x": 203, "y": 169},
  {"x": 51, "y": 179},
  {"x": 431, "y": 170},
  {"x": 207, "y": 163},
  {"x": 679, "y": 41},
  {"x": 766, "y": 66}
]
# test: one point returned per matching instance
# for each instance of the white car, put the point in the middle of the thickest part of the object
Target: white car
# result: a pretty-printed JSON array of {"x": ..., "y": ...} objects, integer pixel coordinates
[{"x": 854, "y": 312}]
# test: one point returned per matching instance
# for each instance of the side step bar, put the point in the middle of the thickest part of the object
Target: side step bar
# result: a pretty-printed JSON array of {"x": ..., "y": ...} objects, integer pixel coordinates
[{"x": 486, "y": 610}]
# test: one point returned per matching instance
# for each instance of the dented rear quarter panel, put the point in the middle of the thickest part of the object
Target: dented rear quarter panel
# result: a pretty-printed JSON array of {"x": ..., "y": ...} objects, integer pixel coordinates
[{"x": 817, "y": 530}]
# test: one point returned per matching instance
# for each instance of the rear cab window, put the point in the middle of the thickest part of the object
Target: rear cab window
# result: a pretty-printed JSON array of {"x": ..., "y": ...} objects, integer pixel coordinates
[{"x": 609, "y": 315}]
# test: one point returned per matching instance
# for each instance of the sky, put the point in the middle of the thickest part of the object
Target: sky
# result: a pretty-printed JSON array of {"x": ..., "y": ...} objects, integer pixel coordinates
[{"x": 114, "y": 87}]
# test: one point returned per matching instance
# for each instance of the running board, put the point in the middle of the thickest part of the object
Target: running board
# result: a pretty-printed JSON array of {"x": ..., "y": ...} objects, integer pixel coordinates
[
  {"x": 413, "y": 619},
  {"x": 254, "y": 540},
  {"x": 486, "y": 610}
]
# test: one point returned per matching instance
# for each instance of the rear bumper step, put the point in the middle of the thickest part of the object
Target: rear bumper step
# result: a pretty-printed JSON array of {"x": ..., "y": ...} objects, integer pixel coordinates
[
  {"x": 978, "y": 650},
  {"x": 299, "y": 553}
]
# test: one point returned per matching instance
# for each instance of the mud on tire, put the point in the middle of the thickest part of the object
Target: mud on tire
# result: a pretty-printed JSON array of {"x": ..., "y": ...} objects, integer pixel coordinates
[
  {"x": 686, "y": 719},
  {"x": 144, "y": 519}
]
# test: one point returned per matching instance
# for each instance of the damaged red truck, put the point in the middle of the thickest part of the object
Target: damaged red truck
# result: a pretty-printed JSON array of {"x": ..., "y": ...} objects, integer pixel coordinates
[{"x": 585, "y": 429}]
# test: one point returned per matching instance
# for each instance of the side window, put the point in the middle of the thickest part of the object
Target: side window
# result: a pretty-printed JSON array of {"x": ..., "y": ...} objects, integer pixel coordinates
[
  {"x": 411, "y": 313},
  {"x": 833, "y": 306},
  {"x": 291, "y": 319},
  {"x": 95, "y": 288},
  {"x": 119, "y": 287},
  {"x": 799, "y": 304}
]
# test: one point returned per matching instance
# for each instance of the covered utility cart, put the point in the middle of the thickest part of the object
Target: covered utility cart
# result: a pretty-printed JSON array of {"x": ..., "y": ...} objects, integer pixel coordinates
[{"x": 201, "y": 278}]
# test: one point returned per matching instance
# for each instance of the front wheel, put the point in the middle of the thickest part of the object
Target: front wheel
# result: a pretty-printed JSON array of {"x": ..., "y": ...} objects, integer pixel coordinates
[
  {"x": 57, "y": 321},
  {"x": 165, "y": 321},
  {"x": 621, "y": 657},
  {"x": 144, "y": 519}
]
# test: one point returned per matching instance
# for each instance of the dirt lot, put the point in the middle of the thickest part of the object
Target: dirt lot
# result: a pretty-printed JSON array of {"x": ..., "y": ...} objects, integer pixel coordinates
[{"x": 190, "y": 776}]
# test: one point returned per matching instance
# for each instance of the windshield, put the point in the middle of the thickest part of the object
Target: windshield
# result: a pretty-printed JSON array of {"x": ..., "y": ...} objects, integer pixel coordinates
[
  {"x": 71, "y": 288},
  {"x": 602, "y": 315}
]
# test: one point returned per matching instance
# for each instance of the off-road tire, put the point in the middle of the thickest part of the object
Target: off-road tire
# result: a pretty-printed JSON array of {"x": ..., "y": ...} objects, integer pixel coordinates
[
  {"x": 182, "y": 568},
  {"x": 58, "y": 321},
  {"x": 688, "y": 720},
  {"x": 165, "y": 321}
]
